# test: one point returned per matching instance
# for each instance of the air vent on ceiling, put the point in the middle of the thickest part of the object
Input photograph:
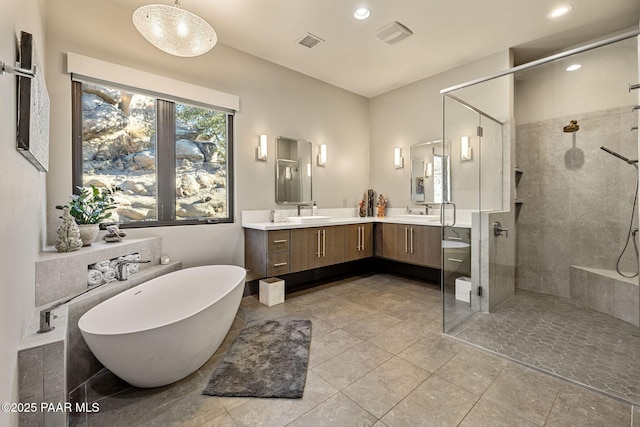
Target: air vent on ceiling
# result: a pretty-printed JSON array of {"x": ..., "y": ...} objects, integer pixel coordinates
[
  {"x": 310, "y": 40},
  {"x": 393, "y": 33}
]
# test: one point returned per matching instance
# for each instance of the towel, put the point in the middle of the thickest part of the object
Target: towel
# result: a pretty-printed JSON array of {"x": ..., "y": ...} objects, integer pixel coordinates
[
  {"x": 109, "y": 275},
  {"x": 94, "y": 277}
]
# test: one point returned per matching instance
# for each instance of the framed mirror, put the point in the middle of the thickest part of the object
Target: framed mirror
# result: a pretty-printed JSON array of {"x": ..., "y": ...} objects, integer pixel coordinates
[
  {"x": 293, "y": 171},
  {"x": 430, "y": 173}
]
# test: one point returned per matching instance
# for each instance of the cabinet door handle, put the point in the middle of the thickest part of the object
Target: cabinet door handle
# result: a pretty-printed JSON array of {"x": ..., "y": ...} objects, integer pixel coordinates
[
  {"x": 411, "y": 239},
  {"x": 359, "y": 239},
  {"x": 362, "y": 228},
  {"x": 406, "y": 239},
  {"x": 318, "y": 253},
  {"x": 280, "y": 264},
  {"x": 454, "y": 260},
  {"x": 324, "y": 243},
  {"x": 280, "y": 241}
]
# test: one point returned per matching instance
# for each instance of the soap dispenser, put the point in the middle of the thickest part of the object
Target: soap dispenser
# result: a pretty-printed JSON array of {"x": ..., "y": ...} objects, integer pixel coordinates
[{"x": 314, "y": 209}]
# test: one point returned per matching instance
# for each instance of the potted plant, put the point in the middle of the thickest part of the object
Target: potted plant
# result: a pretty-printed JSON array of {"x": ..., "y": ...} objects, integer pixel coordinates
[{"x": 90, "y": 207}]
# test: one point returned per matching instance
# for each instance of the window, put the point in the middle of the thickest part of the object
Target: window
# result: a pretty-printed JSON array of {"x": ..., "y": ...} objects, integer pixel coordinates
[{"x": 172, "y": 159}]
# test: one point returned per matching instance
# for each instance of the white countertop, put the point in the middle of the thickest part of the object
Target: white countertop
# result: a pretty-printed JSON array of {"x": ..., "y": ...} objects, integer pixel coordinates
[{"x": 344, "y": 221}]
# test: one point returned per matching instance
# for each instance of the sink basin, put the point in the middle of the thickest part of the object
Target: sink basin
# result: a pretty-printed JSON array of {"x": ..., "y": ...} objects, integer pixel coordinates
[
  {"x": 311, "y": 219},
  {"x": 425, "y": 218}
]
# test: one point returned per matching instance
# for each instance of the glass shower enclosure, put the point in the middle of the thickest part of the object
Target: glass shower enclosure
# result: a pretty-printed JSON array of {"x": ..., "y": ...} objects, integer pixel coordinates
[{"x": 549, "y": 186}]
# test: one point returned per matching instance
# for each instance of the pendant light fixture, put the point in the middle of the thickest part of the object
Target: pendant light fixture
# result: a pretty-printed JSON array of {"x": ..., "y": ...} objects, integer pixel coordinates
[{"x": 174, "y": 30}]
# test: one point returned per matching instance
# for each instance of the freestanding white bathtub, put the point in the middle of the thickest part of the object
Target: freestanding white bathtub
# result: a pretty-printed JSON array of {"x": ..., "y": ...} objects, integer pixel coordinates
[{"x": 163, "y": 330}]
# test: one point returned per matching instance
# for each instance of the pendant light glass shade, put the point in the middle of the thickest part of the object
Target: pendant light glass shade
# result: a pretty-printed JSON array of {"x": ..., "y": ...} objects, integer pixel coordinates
[{"x": 174, "y": 30}]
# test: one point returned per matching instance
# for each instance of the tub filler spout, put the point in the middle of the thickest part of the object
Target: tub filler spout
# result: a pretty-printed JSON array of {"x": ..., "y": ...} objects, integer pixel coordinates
[{"x": 123, "y": 271}]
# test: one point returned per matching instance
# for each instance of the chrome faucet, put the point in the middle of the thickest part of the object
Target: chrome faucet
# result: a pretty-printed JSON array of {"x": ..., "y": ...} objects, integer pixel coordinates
[
  {"x": 302, "y": 206},
  {"x": 426, "y": 209},
  {"x": 123, "y": 271},
  {"x": 45, "y": 314}
]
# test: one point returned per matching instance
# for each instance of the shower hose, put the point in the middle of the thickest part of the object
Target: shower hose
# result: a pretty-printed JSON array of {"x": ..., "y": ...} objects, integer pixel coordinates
[{"x": 631, "y": 234}]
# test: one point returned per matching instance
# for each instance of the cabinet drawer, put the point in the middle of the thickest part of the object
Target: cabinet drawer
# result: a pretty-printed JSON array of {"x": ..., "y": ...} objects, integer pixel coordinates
[
  {"x": 458, "y": 260},
  {"x": 278, "y": 263},
  {"x": 457, "y": 234},
  {"x": 279, "y": 241}
]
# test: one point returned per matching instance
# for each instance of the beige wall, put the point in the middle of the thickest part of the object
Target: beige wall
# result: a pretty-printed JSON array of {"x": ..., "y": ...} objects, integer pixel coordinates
[
  {"x": 22, "y": 191},
  {"x": 413, "y": 114},
  {"x": 273, "y": 100}
]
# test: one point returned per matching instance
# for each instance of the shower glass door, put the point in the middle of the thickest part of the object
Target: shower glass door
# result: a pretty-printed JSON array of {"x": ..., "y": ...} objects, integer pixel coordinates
[{"x": 473, "y": 149}]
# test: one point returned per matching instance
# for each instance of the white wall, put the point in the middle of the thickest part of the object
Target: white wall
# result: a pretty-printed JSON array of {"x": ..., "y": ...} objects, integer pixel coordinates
[
  {"x": 413, "y": 114},
  {"x": 273, "y": 100},
  {"x": 22, "y": 191},
  {"x": 549, "y": 92}
]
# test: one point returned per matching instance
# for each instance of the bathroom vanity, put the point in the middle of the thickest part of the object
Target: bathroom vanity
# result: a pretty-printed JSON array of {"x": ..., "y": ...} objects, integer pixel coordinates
[{"x": 276, "y": 249}]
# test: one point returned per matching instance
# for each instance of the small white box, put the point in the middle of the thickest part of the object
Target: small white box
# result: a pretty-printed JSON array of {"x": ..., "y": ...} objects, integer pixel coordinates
[
  {"x": 271, "y": 291},
  {"x": 463, "y": 289}
]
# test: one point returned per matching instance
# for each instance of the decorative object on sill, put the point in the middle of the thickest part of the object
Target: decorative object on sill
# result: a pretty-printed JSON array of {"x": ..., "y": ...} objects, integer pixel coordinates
[
  {"x": 174, "y": 30},
  {"x": 382, "y": 206},
  {"x": 114, "y": 234},
  {"x": 248, "y": 368},
  {"x": 371, "y": 195},
  {"x": 89, "y": 208},
  {"x": 362, "y": 210},
  {"x": 68, "y": 239}
]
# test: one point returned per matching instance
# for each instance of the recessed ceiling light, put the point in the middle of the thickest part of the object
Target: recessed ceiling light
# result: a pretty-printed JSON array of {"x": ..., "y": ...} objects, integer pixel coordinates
[
  {"x": 558, "y": 12},
  {"x": 362, "y": 13},
  {"x": 574, "y": 67}
]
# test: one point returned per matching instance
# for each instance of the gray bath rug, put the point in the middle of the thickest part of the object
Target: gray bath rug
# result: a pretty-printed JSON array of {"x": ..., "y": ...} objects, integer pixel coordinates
[{"x": 268, "y": 359}]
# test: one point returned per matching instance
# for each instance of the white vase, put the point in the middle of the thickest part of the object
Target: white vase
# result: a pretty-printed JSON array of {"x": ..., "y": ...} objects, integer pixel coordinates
[{"x": 88, "y": 233}]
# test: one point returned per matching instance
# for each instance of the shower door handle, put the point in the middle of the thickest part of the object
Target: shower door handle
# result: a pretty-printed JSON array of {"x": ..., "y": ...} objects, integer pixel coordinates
[{"x": 442, "y": 212}]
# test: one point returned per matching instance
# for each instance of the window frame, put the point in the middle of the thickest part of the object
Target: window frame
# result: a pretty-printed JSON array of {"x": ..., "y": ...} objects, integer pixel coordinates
[{"x": 165, "y": 157}]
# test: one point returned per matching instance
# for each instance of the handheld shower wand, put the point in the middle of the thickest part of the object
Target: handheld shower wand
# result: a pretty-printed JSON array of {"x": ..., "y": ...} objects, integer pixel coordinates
[{"x": 633, "y": 232}]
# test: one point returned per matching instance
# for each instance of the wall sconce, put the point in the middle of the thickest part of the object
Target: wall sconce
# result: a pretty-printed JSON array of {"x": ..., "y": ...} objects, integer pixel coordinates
[
  {"x": 398, "y": 161},
  {"x": 428, "y": 171},
  {"x": 322, "y": 156},
  {"x": 262, "y": 148},
  {"x": 466, "y": 153}
]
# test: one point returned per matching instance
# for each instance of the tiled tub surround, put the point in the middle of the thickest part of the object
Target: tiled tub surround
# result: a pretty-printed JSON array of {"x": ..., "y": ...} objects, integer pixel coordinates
[
  {"x": 53, "y": 363},
  {"x": 59, "y": 275},
  {"x": 376, "y": 358}
]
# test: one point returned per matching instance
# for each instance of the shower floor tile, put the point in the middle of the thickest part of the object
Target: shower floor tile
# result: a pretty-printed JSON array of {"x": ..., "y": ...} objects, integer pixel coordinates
[{"x": 562, "y": 337}]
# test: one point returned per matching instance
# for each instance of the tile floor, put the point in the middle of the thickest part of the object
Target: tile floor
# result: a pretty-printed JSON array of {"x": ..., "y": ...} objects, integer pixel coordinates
[
  {"x": 563, "y": 337},
  {"x": 377, "y": 359}
]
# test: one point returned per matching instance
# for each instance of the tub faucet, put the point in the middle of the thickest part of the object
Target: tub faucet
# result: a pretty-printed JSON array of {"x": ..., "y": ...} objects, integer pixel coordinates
[
  {"x": 45, "y": 313},
  {"x": 123, "y": 271}
]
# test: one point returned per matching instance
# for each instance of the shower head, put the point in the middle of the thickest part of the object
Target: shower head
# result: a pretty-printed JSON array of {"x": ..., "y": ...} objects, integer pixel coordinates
[
  {"x": 620, "y": 156},
  {"x": 571, "y": 127}
]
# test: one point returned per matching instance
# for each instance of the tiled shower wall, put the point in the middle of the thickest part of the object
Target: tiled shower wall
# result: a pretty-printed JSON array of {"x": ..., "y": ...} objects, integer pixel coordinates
[{"x": 577, "y": 198}]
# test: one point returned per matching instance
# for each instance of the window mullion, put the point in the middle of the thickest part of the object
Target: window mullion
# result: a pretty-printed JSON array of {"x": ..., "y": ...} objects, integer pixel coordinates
[{"x": 166, "y": 161}]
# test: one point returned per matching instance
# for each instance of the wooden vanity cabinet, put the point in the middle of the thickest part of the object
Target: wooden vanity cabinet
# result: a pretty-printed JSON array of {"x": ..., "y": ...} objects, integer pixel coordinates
[
  {"x": 414, "y": 244},
  {"x": 267, "y": 253},
  {"x": 359, "y": 241},
  {"x": 457, "y": 251},
  {"x": 316, "y": 247}
]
